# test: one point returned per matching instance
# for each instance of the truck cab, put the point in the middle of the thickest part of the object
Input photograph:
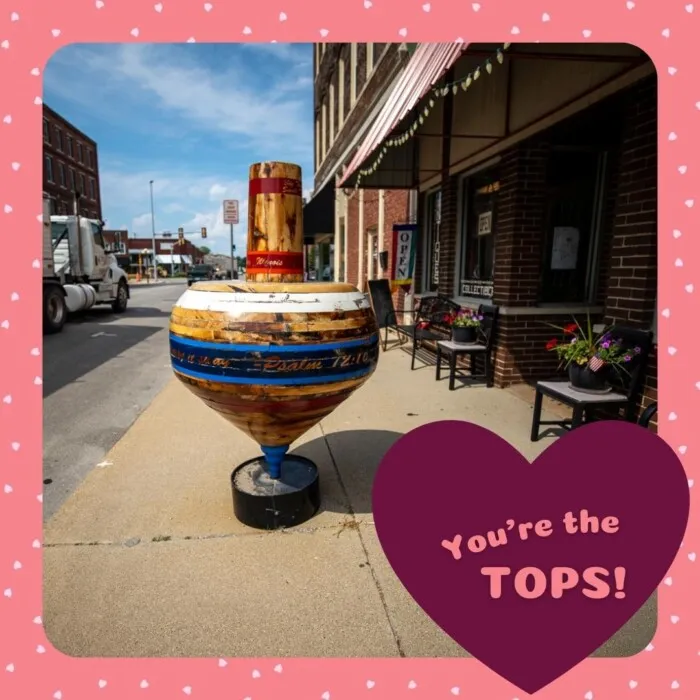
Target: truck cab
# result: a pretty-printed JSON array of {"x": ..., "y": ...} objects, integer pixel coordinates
[{"x": 80, "y": 270}]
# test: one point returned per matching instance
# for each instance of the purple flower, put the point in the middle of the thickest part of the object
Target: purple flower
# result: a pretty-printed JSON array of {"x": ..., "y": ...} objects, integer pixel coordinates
[
  {"x": 605, "y": 344},
  {"x": 627, "y": 358},
  {"x": 573, "y": 340},
  {"x": 637, "y": 350}
]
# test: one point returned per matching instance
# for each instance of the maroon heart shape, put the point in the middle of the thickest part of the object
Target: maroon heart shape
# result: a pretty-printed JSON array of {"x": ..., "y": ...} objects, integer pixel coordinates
[{"x": 454, "y": 478}]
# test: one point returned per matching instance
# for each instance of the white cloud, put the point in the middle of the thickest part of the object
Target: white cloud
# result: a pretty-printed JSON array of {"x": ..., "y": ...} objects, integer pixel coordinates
[
  {"x": 217, "y": 192},
  {"x": 268, "y": 111},
  {"x": 141, "y": 224}
]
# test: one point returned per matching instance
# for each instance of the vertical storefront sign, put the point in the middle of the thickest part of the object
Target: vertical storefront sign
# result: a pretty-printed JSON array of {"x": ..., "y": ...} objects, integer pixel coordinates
[{"x": 404, "y": 253}]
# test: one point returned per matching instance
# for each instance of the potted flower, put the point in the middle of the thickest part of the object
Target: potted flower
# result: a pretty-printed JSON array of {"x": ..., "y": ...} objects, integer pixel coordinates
[
  {"x": 590, "y": 356},
  {"x": 465, "y": 323}
]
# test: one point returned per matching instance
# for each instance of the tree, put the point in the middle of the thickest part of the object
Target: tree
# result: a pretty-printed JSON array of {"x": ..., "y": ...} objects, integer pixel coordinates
[{"x": 204, "y": 250}]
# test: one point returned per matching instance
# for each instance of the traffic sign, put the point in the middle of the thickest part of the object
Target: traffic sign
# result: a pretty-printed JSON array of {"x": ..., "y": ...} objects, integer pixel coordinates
[
  {"x": 231, "y": 211},
  {"x": 204, "y": 231}
]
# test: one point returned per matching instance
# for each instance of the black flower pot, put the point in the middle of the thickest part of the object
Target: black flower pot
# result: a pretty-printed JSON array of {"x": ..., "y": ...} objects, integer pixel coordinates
[
  {"x": 583, "y": 378},
  {"x": 464, "y": 334}
]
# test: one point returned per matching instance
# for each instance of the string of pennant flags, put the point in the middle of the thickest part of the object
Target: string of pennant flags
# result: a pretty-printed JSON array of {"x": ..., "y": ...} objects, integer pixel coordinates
[{"x": 438, "y": 93}]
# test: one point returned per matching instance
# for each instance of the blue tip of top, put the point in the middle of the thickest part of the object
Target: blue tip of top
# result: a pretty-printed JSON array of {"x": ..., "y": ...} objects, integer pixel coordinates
[{"x": 274, "y": 455}]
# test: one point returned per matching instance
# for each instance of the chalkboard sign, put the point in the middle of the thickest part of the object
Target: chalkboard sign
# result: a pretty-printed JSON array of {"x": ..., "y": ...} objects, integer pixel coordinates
[{"x": 382, "y": 303}]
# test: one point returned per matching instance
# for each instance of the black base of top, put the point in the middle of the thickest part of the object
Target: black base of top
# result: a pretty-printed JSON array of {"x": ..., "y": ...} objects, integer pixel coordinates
[{"x": 273, "y": 504}]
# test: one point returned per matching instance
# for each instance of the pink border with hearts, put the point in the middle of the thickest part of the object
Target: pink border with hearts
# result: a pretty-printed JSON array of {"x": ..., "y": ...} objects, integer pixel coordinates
[{"x": 29, "y": 665}]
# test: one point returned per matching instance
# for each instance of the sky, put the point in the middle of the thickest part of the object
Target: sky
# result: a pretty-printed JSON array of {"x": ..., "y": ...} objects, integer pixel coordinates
[{"x": 192, "y": 118}]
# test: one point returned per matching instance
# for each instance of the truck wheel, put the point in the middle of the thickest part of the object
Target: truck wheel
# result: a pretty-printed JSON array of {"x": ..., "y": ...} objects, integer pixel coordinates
[
  {"x": 55, "y": 311},
  {"x": 119, "y": 304}
]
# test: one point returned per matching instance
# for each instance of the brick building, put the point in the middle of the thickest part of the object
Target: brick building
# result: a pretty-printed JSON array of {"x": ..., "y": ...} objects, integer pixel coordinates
[
  {"x": 70, "y": 166},
  {"x": 169, "y": 254},
  {"x": 351, "y": 83},
  {"x": 536, "y": 169}
]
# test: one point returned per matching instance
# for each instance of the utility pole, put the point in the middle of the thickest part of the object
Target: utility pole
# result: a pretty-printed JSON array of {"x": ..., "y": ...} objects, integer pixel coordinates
[{"x": 153, "y": 231}]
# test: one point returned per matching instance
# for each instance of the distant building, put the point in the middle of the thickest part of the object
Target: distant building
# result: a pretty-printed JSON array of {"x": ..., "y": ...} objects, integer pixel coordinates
[
  {"x": 169, "y": 253},
  {"x": 117, "y": 239},
  {"x": 70, "y": 166}
]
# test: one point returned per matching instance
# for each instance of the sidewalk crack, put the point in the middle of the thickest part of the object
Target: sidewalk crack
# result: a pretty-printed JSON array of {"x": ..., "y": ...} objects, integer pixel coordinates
[{"x": 354, "y": 524}]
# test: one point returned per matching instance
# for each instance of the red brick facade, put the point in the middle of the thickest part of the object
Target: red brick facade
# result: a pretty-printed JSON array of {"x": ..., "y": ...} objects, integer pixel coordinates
[
  {"x": 70, "y": 164},
  {"x": 396, "y": 211}
]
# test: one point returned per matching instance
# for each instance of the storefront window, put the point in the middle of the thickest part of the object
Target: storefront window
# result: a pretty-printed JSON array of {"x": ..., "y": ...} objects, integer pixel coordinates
[
  {"x": 574, "y": 203},
  {"x": 479, "y": 230},
  {"x": 431, "y": 278}
]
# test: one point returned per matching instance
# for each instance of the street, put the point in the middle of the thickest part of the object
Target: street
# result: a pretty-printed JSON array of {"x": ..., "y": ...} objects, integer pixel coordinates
[{"x": 100, "y": 373}]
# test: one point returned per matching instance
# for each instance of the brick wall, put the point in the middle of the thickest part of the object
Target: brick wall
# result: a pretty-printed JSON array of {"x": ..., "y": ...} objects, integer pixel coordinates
[
  {"x": 396, "y": 210},
  {"x": 361, "y": 78},
  {"x": 521, "y": 211},
  {"x": 72, "y": 167},
  {"x": 449, "y": 230},
  {"x": 632, "y": 277},
  {"x": 631, "y": 291},
  {"x": 347, "y": 77},
  {"x": 352, "y": 238}
]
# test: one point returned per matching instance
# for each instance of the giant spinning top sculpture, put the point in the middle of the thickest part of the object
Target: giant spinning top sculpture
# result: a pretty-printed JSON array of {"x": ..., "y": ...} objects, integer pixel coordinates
[{"x": 274, "y": 355}]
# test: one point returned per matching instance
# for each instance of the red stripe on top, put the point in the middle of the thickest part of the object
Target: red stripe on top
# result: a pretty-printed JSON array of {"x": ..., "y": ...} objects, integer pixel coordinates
[
  {"x": 272, "y": 261},
  {"x": 274, "y": 185}
]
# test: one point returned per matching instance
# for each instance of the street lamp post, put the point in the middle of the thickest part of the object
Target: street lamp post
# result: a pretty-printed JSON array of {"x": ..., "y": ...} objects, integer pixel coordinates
[{"x": 153, "y": 231}]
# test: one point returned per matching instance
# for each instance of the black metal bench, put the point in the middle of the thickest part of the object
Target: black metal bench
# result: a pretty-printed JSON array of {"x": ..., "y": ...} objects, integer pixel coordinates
[
  {"x": 482, "y": 349},
  {"x": 428, "y": 319},
  {"x": 626, "y": 385}
]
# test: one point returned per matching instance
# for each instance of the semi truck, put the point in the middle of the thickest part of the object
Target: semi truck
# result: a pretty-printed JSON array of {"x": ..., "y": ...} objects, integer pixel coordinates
[{"x": 79, "y": 269}]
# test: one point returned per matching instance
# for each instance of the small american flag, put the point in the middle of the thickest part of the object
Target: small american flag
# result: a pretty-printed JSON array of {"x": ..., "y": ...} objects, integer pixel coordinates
[{"x": 595, "y": 363}]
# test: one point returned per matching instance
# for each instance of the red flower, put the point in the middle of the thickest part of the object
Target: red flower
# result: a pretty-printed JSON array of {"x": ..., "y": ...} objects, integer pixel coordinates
[
  {"x": 552, "y": 344},
  {"x": 422, "y": 325},
  {"x": 572, "y": 328}
]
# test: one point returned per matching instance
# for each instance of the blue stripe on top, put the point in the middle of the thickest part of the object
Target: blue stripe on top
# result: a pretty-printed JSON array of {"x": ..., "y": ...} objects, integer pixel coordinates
[
  {"x": 296, "y": 381},
  {"x": 272, "y": 364}
]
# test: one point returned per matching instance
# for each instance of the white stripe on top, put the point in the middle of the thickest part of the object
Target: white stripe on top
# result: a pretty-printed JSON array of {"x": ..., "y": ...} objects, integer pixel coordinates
[{"x": 265, "y": 303}]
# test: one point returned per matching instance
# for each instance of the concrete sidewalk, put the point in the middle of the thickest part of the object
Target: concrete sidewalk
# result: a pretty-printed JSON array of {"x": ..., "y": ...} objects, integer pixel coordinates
[{"x": 147, "y": 559}]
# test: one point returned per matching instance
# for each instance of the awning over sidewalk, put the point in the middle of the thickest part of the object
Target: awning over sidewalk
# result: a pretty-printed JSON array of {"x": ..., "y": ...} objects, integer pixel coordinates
[
  {"x": 319, "y": 215},
  {"x": 425, "y": 67},
  {"x": 174, "y": 259}
]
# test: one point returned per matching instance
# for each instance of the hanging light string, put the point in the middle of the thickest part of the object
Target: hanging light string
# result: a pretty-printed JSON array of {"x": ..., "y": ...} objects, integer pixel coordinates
[{"x": 438, "y": 93}]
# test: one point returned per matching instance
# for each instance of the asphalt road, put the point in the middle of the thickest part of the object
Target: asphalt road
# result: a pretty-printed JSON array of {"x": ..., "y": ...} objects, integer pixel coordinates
[{"x": 100, "y": 373}]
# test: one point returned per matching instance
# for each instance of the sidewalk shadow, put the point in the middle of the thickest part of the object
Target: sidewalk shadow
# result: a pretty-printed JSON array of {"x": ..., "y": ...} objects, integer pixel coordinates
[
  {"x": 81, "y": 348},
  {"x": 347, "y": 461}
]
